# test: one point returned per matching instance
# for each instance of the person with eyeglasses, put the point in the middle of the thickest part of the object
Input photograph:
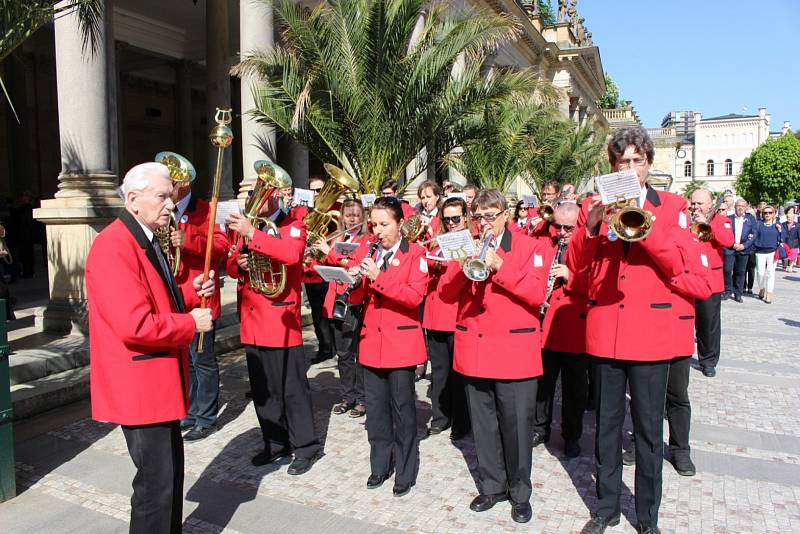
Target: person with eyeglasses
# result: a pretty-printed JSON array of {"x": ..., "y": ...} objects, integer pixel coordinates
[
  {"x": 389, "y": 188},
  {"x": 392, "y": 344},
  {"x": 346, "y": 332},
  {"x": 564, "y": 342},
  {"x": 497, "y": 350},
  {"x": 629, "y": 330},
  {"x": 448, "y": 399},
  {"x": 769, "y": 235}
]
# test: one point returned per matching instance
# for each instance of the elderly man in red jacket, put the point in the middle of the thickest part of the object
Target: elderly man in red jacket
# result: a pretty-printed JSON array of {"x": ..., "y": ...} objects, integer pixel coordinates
[
  {"x": 630, "y": 331},
  {"x": 139, "y": 334}
]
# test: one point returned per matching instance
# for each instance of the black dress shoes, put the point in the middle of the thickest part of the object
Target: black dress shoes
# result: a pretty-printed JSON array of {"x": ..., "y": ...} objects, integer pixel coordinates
[
  {"x": 301, "y": 466},
  {"x": 641, "y": 528},
  {"x": 539, "y": 438},
  {"x": 709, "y": 372},
  {"x": 186, "y": 424},
  {"x": 598, "y": 525},
  {"x": 683, "y": 465},
  {"x": 435, "y": 429},
  {"x": 629, "y": 454},
  {"x": 376, "y": 481},
  {"x": 266, "y": 457},
  {"x": 521, "y": 512},
  {"x": 199, "y": 432},
  {"x": 738, "y": 298},
  {"x": 401, "y": 489},
  {"x": 481, "y": 503}
]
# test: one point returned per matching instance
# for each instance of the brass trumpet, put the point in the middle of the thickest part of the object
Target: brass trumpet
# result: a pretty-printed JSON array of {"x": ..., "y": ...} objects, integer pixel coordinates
[
  {"x": 547, "y": 212},
  {"x": 181, "y": 171},
  {"x": 630, "y": 223},
  {"x": 321, "y": 216},
  {"x": 475, "y": 268},
  {"x": 702, "y": 230}
]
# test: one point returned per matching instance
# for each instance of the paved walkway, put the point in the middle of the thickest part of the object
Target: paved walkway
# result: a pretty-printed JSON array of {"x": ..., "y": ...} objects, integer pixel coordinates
[{"x": 75, "y": 475}]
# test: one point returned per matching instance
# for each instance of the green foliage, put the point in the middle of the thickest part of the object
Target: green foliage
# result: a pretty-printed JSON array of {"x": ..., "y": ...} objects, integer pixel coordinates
[
  {"x": 797, "y": 134},
  {"x": 772, "y": 172},
  {"x": 359, "y": 84},
  {"x": 693, "y": 186},
  {"x": 610, "y": 98},
  {"x": 546, "y": 13}
]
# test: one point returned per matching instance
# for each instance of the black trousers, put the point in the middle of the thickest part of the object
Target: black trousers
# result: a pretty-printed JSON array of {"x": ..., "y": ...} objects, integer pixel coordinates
[
  {"x": 501, "y": 412},
  {"x": 351, "y": 374},
  {"x": 751, "y": 271},
  {"x": 282, "y": 399},
  {"x": 392, "y": 422},
  {"x": 573, "y": 369},
  {"x": 203, "y": 382},
  {"x": 157, "y": 453},
  {"x": 708, "y": 330},
  {"x": 322, "y": 325},
  {"x": 648, "y": 387},
  {"x": 679, "y": 409},
  {"x": 448, "y": 397},
  {"x": 735, "y": 269}
]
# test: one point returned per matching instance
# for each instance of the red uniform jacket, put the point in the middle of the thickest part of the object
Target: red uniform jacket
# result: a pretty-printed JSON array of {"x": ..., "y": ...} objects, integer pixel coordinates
[
  {"x": 341, "y": 260},
  {"x": 564, "y": 326},
  {"x": 273, "y": 322},
  {"x": 714, "y": 250},
  {"x": 497, "y": 327},
  {"x": 438, "y": 314},
  {"x": 193, "y": 255},
  {"x": 631, "y": 293},
  {"x": 391, "y": 335},
  {"x": 138, "y": 333}
]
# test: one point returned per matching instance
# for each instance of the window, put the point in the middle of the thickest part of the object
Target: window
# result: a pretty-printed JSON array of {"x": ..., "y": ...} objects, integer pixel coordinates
[
  {"x": 728, "y": 167},
  {"x": 710, "y": 167},
  {"x": 687, "y": 168}
]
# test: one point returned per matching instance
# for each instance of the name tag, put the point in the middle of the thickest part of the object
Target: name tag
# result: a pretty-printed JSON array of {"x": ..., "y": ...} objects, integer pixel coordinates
[
  {"x": 728, "y": 225},
  {"x": 704, "y": 259},
  {"x": 682, "y": 220},
  {"x": 423, "y": 265},
  {"x": 294, "y": 232},
  {"x": 537, "y": 260}
]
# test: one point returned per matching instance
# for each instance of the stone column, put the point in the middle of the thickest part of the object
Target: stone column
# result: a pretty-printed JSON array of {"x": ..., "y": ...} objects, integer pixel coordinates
[
  {"x": 218, "y": 85},
  {"x": 297, "y": 163},
  {"x": 86, "y": 200},
  {"x": 258, "y": 141},
  {"x": 183, "y": 77}
]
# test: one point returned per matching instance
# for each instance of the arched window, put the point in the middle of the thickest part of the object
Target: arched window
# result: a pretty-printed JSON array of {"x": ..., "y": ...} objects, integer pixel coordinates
[
  {"x": 710, "y": 167},
  {"x": 687, "y": 168},
  {"x": 728, "y": 167}
]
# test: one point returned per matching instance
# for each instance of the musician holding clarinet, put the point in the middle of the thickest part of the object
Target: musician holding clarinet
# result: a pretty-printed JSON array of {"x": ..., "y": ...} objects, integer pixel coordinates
[
  {"x": 394, "y": 275},
  {"x": 497, "y": 350}
]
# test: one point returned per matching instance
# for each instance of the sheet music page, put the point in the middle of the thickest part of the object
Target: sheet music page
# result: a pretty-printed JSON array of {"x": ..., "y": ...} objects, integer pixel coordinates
[
  {"x": 530, "y": 200},
  {"x": 303, "y": 197},
  {"x": 344, "y": 248},
  {"x": 334, "y": 274},
  {"x": 224, "y": 209},
  {"x": 618, "y": 185},
  {"x": 456, "y": 245},
  {"x": 368, "y": 199}
]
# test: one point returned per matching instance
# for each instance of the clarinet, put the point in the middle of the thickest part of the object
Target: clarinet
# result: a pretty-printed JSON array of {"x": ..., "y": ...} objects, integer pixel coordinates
[
  {"x": 551, "y": 278},
  {"x": 341, "y": 305}
]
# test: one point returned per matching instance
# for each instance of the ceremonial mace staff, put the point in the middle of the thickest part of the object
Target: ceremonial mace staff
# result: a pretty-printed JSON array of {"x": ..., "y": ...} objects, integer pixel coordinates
[{"x": 221, "y": 137}]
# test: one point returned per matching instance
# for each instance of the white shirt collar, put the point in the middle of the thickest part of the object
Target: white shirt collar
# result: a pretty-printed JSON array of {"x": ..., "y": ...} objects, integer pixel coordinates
[
  {"x": 182, "y": 205},
  {"x": 431, "y": 213},
  {"x": 392, "y": 250},
  {"x": 147, "y": 231},
  {"x": 643, "y": 197},
  {"x": 499, "y": 239}
]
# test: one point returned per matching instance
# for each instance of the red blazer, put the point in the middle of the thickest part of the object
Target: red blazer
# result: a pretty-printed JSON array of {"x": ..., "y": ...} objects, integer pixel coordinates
[
  {"x": 631, "y": 293},
  {"x": 438, "y": 314},
  {"x": 193, "y": 255},
  {"x": 408, "y": 209},
  {"x": 273, "y": 322},
  {"x": 138, "y": 333},
  {"x": 341, "y": 260},
  {"x": 564, "y": 326},
  {"x": 497, "y": 327},
  {"x": 714, "y": 250},
  {"x": 391, "y": 335}
]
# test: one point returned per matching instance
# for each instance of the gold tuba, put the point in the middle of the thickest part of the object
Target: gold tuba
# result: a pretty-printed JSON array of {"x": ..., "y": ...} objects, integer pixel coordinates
[
  {"x": 629, "y": 222},
  {"x": 414, "y": 227},
  {"x": 321, "y": 216},
  {"x": 267, "y": 276},
  {"x": 181, "y": 171}
]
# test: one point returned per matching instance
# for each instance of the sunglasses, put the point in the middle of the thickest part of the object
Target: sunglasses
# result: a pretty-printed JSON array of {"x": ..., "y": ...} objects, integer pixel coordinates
[
  {"x": 455, "y": 219},
  {"x": 565, "y": 227},
  {"x": 316, "y": 190},
  {"x": 767, "y": 212},
  {"x": 488, "y": 217}
]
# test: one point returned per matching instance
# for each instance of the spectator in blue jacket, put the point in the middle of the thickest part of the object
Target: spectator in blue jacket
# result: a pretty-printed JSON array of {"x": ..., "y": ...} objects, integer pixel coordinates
[
  {"x": 768, "y": 237},
  {"x": 735, "y": 267}
]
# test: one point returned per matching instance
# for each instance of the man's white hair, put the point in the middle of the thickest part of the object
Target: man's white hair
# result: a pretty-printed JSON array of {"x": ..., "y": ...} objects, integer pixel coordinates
[{"x": 138, "y": 178}]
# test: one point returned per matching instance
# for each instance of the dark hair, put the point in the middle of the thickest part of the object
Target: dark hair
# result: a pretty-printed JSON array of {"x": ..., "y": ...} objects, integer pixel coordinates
[
  {"x": 319, "y": 177},
  {"x": 551, "y": 183},
  {"x": 518, "y": 206},
  {"x": 429, "y": 184},
  {"x": 389, "y": 183},
  {"x": 470, "y": 186},
  {"x": 489, "y": 198},
  {"x": 350, "y": 202},
  {"x": 390, "y": 204},
  {"x": 625, "y": 137},
  {"x": 449, "y": 203}
]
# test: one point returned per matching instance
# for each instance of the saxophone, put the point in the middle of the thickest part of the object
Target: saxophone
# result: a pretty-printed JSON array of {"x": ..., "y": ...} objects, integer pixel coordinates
[{"x": 551, "y": 278}]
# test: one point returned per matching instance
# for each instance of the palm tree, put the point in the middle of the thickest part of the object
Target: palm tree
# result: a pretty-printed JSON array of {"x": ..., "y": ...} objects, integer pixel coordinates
[
  {"x": 19, "y": 19},
  {"x": 693, "y": 186},
  {"x": 369, "y": 83}
]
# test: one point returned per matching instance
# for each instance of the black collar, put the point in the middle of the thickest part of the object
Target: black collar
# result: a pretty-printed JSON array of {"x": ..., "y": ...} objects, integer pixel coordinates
[
  {"x": 192, "y": 203},
  {"x": 403, "y": 245},
  {"x": 135, "y": 228},
  {"x": 505, "y": 242},
  {"x": 652, "y": 196}
]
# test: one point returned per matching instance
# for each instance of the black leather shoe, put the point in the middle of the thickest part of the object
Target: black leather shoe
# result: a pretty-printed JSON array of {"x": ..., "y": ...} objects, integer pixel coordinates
[
  {"x": 572, "y": 449},
  {"x": 199, "y": 432},
  {"x": 186, "y": 424},
  {"x": 726, "y": 296},
  {"x": 598, "y": 525},
  {"x": 343, "y": 407},
  {"x": 434, "y": 429},
  {"x": 401, "y": 489},
  {"x": 738, "y": 298},
  {"x": 521, "y": 512},
  {"x": 481, "y": 503},
  {"x": 376, "y": 481},
  {"x": 266, "y": 457},
  {"x": 301, "y": 465},
  {"x": 710, "y": 372},
  {"x": 539, "y": 438},
  {"x": 683, "y": 465},
  {"x": 647, "y": 529},
  {"x": 629, "y": 455}
]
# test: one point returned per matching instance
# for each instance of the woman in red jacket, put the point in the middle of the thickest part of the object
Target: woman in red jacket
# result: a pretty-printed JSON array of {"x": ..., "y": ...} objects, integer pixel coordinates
[
  {"x": 391, "y": 344},
  {"x": 448, "y": 400}
]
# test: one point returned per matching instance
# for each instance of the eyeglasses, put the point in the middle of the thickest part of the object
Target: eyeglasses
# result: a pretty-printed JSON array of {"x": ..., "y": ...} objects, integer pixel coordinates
[
  {"x": 565, "y": 227},
  {"x": 316, "y": 190},
  {"x": 488, "y": 217},
  {"x": 455, "y": 219},
  {"x": 628, "y": 163},
  {"x": 768, "y": 212}
]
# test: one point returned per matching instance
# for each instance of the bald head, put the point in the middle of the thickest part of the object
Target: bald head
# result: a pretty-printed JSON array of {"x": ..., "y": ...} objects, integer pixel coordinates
[{"x": 700, "y": 203}]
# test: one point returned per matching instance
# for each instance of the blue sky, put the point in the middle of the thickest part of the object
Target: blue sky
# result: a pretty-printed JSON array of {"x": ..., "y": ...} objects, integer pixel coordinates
[{"x": 712, "y": 56}]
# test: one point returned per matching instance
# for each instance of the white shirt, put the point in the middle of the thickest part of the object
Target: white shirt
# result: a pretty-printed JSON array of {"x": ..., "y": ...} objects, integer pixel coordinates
[
  {"x": 522, "y": 222},
  {"x": 382, "y": 253},
  {"x": 738, "y": 223},
  {"x": 432, "y": 213},
  {"x": 182, "y": 205},
  {"x": 497, "y": 240},
  {"x": 147, "y": 231},
  {"x": 642, "y": 197}
]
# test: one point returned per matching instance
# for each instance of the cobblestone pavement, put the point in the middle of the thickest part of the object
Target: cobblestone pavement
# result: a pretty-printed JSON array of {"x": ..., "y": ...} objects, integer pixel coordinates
[{"x": 745, "y": 439}]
